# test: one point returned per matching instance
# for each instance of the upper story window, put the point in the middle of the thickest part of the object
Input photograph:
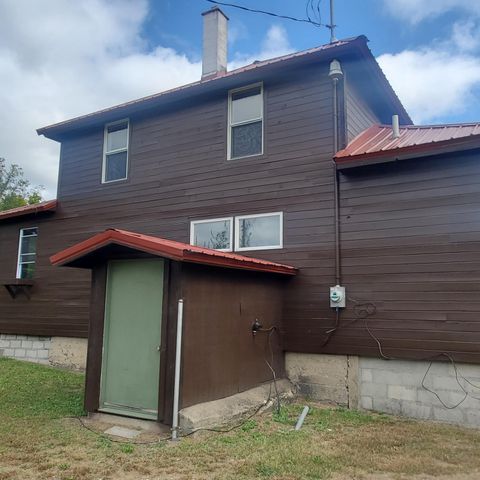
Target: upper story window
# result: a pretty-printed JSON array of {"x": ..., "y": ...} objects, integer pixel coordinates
[
  {"x": 259, "y": 232},
  {"x": 115, "y": 152},
  {"x": 245, "y": 122},
  {"x": 216, "y": 233},
  {"x": 27, "y": 251}
]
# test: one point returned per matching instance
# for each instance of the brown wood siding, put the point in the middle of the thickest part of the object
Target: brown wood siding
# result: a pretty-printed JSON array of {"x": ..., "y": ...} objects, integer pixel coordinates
[
  {"x": 59, "y": 303},
  {"x": 221, "y": 357},
  {"x": 410, "y": 230},
  {"x": 359, "y": 116},
  {"x": 178, "y": 172},
  {"x": 410, "y": 246}
]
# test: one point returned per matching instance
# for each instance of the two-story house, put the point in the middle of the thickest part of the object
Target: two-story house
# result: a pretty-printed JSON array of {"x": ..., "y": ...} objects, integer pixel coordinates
[{"x": 286, "y": 178}]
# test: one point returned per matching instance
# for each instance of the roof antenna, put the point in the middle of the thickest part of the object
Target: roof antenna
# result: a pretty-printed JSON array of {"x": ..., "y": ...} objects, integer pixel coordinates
[{"x": 332, "y": 25}]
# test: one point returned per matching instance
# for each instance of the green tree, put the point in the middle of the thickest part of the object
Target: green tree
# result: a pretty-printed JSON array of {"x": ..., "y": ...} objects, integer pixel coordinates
[{"x": 15, "y": 189}]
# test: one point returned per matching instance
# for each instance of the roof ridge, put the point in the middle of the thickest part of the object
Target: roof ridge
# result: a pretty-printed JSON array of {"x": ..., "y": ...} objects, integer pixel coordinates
[{"x": 227, "y": 80}]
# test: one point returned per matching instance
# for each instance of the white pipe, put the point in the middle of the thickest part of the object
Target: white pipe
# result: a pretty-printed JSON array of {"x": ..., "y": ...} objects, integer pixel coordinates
[
  {"x": 301, "y": 418},
  {"x": 178, "y": 357},
  {"x": 395, "y": 126}
]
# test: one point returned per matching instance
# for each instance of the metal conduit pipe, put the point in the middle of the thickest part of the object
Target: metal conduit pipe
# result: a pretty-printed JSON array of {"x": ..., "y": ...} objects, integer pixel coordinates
[
  {"x": 178, "y": 359},
  {"x": 336, "y": 74}
]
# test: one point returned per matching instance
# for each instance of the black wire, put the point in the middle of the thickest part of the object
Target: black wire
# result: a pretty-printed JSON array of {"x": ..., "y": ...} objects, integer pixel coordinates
[
  {"x": 252, "y": 10},
  {"x": 319, "y": 14},
  {"x": 274, "y": 375},
  {"x": 103, "y": 435},
  {"x": 270, "y": 330},
  {"x": 449, "y": 407},
  {"x": 315, "y": 11},
  {"x": 169, "y": 437},
  {"x": 363, "y": 310}
]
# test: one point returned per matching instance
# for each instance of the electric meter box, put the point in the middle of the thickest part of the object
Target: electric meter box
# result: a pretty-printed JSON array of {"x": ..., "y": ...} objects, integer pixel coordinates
[{"x": 337, "y": 296}]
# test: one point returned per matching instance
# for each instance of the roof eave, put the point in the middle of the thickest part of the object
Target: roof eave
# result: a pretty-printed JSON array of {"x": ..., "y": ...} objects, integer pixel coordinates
[
  {"x": 71, "y": 256},
  {"x": 407, "y": 153},
  {"x": 44, "y": 207},
  {"x": 229, "y": 80}
]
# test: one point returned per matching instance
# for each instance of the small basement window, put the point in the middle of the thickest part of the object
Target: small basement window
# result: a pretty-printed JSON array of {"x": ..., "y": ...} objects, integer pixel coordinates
[
  {"x": 27, "y": 252},
  {"x": 115, "y": 156},
  {"x": 259, "y": 232},
  {"x": 245, "y": 122},
  {"x": 215, "y": 233}
]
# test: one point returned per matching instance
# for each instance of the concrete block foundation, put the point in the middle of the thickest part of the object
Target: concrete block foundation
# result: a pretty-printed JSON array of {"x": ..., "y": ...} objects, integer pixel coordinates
[
  {"x": 56, "y": 351},
  {"x": 390, "y": 386},
  {"x": 327, "y": 378}
]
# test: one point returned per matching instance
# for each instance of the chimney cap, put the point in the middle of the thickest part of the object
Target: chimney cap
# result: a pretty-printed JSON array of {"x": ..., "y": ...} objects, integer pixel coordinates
[{"x": 215, "y": 8}]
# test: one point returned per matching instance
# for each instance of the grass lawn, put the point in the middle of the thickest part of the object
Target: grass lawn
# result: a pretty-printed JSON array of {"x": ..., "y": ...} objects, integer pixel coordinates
[{"x": 38, "y": 440}]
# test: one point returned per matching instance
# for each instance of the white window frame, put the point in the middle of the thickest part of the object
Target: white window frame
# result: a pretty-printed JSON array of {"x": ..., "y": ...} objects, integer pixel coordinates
[
  {"x": 231, "y": 125},
  {"x": 257, "y": 215},
  {"x": 21, "y": 236},
  {"x": 118, "y": 150},
  {"x": 209, "y": 220}
]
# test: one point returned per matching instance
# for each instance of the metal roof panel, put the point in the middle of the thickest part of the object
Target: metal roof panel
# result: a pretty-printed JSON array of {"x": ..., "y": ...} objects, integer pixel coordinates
[{"x": 167, "y": 248}]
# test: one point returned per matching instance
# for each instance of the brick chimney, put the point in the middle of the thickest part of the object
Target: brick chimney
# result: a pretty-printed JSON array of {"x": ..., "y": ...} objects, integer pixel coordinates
[{"x": 214, "y": 43}]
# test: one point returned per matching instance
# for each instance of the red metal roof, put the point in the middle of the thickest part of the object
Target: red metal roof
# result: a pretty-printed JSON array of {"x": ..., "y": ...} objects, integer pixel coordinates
[
  {"x": 48, "y": 206},
  {"x": 179, "y": 251},
  {"x": 226, "y": 80},
  {"x": 377, "y": 142}
]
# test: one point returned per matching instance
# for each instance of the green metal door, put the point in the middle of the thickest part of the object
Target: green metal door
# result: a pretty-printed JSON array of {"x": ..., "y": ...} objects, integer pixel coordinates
[{"x": 131, "y": 343}]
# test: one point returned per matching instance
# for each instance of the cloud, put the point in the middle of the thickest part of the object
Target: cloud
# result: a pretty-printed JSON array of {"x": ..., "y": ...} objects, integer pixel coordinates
[
  {"x": 63, "y": 59},
  {"x": 415, "y": 11},
  {"x": 275, "y": 44},
  {"x": 466, "y": 35},
  {"x": 440, "y": 79},
  {"x": 432, "y": 83}
]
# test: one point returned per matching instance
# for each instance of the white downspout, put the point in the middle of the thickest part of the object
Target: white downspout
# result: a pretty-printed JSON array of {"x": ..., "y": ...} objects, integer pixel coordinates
[{"x": 178, "y": 358}]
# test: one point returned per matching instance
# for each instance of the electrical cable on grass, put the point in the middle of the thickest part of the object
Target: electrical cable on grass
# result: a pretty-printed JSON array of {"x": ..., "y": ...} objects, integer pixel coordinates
[
  {"x": 214, "y": 430},
  {"x": 169, "y": 437}
]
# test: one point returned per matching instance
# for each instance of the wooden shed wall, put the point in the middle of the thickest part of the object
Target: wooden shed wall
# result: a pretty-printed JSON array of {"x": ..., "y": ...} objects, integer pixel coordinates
[{"x": 221, "y": 357}]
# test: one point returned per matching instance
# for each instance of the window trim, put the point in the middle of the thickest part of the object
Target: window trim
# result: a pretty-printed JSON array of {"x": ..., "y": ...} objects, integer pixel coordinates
[
  {"x": 210, "y": 220},
  {"x": 19, "y": 255},
  {"x": 118, "y": 150},
  {"x": 230, "y": 125},
  {"x": 257, "y": 215}
]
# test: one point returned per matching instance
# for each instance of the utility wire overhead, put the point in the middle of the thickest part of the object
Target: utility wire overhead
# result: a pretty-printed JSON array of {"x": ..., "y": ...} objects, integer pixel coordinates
[{"x": 272, "y": 14}]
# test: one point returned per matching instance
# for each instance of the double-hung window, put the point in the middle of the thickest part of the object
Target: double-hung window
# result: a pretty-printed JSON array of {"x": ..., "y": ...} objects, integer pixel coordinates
[
  {"x": 245, "y": 122},
  {"x": 115, "y": 152},
  {"x": 216, "y": 234},
  {"x": 27, "y": 251}
]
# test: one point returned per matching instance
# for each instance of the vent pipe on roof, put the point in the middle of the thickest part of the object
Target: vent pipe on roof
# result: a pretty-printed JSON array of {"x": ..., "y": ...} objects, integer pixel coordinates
[
  {"x": 395, "y": 127},
  {"x": 214, "y": 60}
]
